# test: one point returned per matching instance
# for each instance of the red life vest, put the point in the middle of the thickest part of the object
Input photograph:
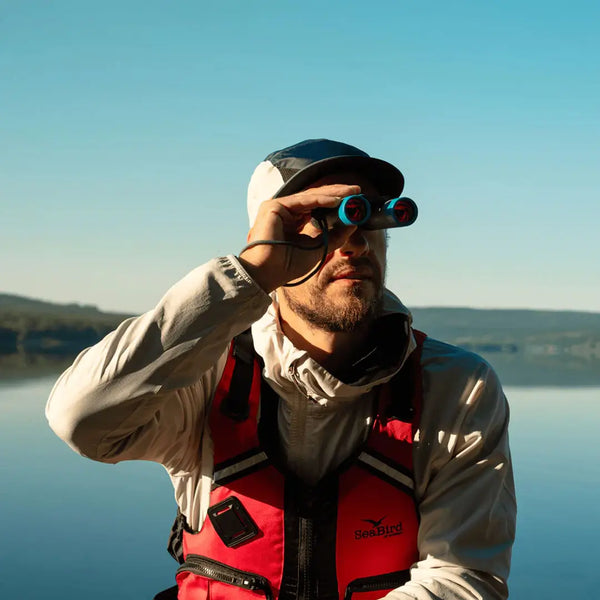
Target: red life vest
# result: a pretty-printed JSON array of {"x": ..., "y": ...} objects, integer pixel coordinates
[{"x": 269, "y": 535}]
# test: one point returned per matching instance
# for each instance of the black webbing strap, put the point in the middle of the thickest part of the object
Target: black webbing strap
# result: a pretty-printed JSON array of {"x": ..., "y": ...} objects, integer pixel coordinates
[
  {"x": 405, "y": 385},
  {"x": 235, "y": 404},
  {"x": 175, "y": 542}
]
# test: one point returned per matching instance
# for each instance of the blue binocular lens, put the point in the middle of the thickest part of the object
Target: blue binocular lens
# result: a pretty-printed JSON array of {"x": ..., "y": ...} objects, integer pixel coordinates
[{"x": 359, "y": 211}]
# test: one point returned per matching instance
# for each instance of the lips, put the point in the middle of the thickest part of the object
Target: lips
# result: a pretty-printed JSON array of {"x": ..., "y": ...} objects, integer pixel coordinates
[
  {"x": 353, "y": 274},
  {"x": 360, "y": 268}
]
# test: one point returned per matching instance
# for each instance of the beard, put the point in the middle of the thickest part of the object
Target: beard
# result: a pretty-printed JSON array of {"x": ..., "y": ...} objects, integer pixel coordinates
[{"x": 355, "y": 307}]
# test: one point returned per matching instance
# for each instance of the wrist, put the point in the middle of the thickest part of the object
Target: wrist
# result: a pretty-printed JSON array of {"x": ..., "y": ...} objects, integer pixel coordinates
[{"x": 257, "y": 273}]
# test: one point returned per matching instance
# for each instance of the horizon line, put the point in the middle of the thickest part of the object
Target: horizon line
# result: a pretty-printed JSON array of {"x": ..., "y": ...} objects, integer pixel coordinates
[{"x": 409, "y": 306}]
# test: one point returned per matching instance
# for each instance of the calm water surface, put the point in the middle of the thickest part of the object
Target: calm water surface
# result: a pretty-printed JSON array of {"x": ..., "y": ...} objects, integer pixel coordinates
[{"x": 75, "y": 529}]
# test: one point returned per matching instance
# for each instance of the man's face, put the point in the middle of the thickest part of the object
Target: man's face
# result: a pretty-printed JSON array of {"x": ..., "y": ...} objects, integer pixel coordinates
[{"x": 347, "y": 291}]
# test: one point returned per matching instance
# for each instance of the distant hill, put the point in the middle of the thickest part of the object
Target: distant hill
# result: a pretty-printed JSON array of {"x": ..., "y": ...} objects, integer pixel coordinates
[
  {"x": 534, "y": 331},
  {"x": 29, "y": 326},
  {"x": 467, "y": 321},
  {"x": 527, "y": 347},
  {"x": 11, "y": 303}
]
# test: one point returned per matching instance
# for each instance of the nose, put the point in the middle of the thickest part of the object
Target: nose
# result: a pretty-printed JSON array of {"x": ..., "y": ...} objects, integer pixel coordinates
[{"x": 356, "y": 245}]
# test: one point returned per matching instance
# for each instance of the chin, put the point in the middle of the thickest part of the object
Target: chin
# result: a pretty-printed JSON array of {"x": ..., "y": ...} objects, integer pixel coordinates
[
  {"x": 345, "y": 307},
  {"x": 361, "y": 289}
]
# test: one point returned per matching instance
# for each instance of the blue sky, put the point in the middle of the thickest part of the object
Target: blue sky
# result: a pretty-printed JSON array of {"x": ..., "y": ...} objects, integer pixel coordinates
[{"x": 129, "y": 130}]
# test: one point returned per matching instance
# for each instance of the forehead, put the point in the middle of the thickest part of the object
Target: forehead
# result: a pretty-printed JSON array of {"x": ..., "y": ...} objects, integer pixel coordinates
[{"x": 349, "y": 178}]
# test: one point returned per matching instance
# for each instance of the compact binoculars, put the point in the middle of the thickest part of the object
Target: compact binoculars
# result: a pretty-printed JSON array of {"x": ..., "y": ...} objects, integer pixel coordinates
[{"x": 369, "y": 213}]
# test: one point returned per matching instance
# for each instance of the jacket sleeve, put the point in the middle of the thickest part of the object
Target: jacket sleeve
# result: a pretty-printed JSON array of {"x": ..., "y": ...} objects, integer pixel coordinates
[
  {"x": 464, "y": 482},
  {"x": 141, "y": 392}
]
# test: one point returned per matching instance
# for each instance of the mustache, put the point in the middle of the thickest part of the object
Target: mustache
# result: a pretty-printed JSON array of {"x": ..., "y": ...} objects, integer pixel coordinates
[{"x": 363, "y": 266}]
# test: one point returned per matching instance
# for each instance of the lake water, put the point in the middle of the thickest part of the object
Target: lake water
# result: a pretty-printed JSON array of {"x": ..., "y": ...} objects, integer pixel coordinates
[{"x": 75, "y": 529}]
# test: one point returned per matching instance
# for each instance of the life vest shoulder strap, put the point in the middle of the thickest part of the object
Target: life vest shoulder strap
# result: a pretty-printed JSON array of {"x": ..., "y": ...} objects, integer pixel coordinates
[
  {"x": 235, "y": 405},
  {"x": 406, "y": 386},
  {"x": 234, "y": 399},
  {"x": 389, "y": 447}
]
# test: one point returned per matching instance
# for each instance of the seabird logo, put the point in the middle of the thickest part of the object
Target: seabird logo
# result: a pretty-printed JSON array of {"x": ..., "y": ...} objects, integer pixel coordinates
[
  {"x": 374, "y": 523},
  {"x": 378, "y": 529}
]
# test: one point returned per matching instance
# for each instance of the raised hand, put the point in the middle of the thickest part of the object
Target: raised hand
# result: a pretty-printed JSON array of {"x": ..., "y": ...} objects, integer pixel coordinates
[{"x": 288, "y": 219}]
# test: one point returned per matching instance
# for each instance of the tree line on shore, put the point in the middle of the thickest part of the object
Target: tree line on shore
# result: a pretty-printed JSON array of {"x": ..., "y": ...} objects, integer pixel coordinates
[{"x": 563, "y": 340}]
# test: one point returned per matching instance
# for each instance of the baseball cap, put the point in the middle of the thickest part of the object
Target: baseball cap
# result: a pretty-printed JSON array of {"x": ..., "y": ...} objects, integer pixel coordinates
[{"x": 292, "y": 169}]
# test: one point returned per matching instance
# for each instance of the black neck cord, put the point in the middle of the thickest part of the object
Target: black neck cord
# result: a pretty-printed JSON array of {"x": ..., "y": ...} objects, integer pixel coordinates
[{"x": 324, "y": 244}]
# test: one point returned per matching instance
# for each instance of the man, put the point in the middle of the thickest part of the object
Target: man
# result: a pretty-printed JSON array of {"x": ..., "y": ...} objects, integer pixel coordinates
[{"x": 339, "y": 453}]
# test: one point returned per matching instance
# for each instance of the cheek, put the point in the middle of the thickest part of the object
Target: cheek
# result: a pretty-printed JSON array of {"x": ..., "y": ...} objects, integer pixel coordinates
[{"x": 378, "y": 246}]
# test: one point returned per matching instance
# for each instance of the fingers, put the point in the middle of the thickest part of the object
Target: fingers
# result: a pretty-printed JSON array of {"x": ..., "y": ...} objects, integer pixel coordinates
[
  {"x": 327, "y": 196},
  {"x": 294, "y": 211},
  {"x": 280, "y": 217}
]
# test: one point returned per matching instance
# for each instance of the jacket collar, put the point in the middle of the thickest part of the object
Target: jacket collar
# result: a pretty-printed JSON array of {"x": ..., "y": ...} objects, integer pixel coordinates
[{"x": 288, "y": 369}]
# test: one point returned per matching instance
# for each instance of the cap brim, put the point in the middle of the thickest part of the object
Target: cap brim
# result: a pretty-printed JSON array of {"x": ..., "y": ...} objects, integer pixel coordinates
[{"x": 384, "y": 176}]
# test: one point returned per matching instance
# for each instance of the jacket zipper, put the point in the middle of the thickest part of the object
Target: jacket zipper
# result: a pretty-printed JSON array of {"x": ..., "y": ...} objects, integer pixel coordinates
[
  {"x": 212, "y": 569},
  {"x": 305, "y": 590},
  {"x": 387, "y": 581}
]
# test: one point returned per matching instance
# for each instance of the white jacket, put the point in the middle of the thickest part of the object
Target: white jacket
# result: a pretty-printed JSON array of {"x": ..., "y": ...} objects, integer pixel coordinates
[{"x": 143, "y": 392}]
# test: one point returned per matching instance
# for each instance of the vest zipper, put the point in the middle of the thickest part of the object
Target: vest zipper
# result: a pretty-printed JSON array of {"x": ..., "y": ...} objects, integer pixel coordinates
[
  {"x": 387, "y": 581},
  {"x": 305, "y": 554},
  {"x": 212, "y": 569}
]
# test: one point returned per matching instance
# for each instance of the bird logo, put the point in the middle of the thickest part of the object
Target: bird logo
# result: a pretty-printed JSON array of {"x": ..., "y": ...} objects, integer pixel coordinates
[{"x": 374, "y": 523}]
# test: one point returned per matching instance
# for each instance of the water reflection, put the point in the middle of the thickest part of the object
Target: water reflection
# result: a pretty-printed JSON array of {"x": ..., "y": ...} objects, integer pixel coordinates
[
  {"x": 514, "y": 368},
  {"x": 99, "y": 531},
  {"x": 18, "y": 366}
]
